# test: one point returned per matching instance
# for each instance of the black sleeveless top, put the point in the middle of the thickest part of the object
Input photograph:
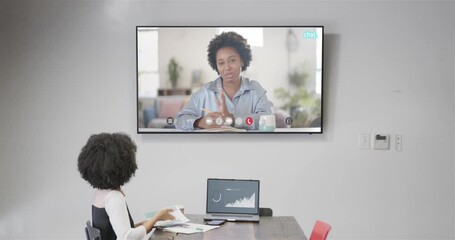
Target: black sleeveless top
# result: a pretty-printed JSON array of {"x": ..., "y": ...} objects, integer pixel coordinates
[{"x": 100, "y": 220}]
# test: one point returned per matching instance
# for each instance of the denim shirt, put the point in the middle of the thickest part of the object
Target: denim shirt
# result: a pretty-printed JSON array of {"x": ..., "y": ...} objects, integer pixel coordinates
[{"x": 250, "y": 101}]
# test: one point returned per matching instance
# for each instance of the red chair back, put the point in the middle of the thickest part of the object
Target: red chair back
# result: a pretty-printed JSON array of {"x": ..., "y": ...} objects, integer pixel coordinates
[{"x": 320, "y": 231}]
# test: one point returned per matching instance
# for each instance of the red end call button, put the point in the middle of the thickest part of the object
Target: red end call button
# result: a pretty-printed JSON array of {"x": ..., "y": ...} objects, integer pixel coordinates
[{"x": 249, "y": 121}]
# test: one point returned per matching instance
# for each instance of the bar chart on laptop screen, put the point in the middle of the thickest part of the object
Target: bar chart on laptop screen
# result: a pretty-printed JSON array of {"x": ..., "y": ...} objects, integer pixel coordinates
[
  {"x": 245, "y": 202},
  {"x": 228, "y": 196}
]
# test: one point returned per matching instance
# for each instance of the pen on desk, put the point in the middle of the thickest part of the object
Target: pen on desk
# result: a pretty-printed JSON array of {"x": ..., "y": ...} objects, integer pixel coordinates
[{"x": 206, "y": 110}]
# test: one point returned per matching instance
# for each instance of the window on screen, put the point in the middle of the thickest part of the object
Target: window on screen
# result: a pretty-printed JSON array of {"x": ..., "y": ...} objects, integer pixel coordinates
[{"x": 148, "y": 75}]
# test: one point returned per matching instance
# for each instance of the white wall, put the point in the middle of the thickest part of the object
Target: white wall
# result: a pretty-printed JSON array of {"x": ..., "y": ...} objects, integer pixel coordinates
[{"x": 68, "y": 70}]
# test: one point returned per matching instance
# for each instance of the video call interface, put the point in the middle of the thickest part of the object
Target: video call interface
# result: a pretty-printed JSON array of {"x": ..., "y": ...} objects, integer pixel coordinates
[
  {"x": 232, "y": 196},
  {"x": 172, "y": 65}
]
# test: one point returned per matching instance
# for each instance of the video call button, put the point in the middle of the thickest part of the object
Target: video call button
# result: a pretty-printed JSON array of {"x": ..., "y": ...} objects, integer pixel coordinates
[
  {"x": 170, "y": 120},
  {"x": 219, "y": 121},
  {"x": 209, "y": 121},
  {"x": 228, "y": 121},
  {"x": 238, "y": 122},
  {"x": 249, "y": 121},
  {"x": 288, "y": 121}
]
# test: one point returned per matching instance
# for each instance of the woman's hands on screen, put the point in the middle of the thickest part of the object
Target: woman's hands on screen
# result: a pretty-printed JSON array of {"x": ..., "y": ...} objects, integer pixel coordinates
[
  {"x": 216, "y": 119},
  {"x": 221, "y": 104},
  {"x": 209, "y": 120}
]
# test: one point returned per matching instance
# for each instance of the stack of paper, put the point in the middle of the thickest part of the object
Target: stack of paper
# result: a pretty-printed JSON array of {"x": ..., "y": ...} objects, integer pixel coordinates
[
  {"x": 179, "y": 218},
  {"x": 180, "y": 224},
  {"x": 189, "y": 228}
]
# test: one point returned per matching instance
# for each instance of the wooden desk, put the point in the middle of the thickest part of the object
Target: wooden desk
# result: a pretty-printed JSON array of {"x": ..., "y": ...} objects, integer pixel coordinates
[{"x": 268, "y": 228}]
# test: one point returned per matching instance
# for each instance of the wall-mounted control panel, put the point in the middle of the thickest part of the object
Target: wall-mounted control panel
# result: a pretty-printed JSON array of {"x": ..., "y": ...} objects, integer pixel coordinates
[{"x": 381, "y": 142}]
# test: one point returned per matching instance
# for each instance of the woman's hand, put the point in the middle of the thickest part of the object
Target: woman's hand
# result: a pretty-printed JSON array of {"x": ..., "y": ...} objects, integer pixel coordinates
[
  {"x": 221, "y": 104},
  {"x": 216, "y": 119},
  {"x": 223, "y": 110},
  {"x": 208, "y": 121},
  {"x": 164, "y": 214}
]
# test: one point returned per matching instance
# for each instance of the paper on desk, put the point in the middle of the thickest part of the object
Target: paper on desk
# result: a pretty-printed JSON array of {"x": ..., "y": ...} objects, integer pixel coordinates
[
  {"x": 190, "y": 228},
  {"x": 179, "y": 218}
]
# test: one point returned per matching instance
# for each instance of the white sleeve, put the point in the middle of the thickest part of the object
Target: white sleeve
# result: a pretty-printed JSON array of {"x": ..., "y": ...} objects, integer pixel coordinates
[{"x": 120, "y": 221}]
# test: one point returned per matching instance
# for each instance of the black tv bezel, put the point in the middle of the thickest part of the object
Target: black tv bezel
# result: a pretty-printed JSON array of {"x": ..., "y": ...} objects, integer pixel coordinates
[{"x": 242, "y": 133}]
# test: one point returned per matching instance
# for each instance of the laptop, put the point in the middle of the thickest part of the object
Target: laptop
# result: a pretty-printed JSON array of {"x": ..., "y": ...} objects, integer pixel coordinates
[{"x": 232, "y": 200}]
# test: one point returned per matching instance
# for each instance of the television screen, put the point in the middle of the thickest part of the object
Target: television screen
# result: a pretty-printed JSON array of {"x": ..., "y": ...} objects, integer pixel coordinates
[{"x": 229, "y": 79}]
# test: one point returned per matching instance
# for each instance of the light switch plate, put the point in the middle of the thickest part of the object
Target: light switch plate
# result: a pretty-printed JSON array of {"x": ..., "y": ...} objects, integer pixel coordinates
[
  {"x": 364, "y": 140},
  {"x": 398, "y": 142}
]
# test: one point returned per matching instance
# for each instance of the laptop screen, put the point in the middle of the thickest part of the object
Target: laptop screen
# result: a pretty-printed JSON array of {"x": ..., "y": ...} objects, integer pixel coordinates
[{"x": 232, "y": 196}]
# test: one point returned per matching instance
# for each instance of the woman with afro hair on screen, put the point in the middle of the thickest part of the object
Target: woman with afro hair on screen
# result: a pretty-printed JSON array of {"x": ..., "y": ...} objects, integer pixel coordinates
[
  {"x": 231, "y": 98},
  {"x": 107, "y": 162}
]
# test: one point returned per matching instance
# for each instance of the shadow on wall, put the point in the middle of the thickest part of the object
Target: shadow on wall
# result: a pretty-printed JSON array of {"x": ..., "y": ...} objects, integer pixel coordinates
[{"x": 331, "y": 59}]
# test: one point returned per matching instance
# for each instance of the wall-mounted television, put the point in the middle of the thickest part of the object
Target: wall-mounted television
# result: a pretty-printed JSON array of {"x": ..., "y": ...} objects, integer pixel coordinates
[{"x": 225, "y": 79}]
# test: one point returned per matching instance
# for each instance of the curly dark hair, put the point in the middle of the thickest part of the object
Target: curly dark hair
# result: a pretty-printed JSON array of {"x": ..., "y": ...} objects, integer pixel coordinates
[
  {"x": 229, "y": 39},
  {"x": 107, "y": 161}
]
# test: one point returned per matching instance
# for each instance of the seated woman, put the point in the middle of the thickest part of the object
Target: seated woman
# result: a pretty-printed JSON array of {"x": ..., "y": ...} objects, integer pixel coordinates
[
  {"x": 107, "y": 162},
  {"x": 230, "y": 99}
]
